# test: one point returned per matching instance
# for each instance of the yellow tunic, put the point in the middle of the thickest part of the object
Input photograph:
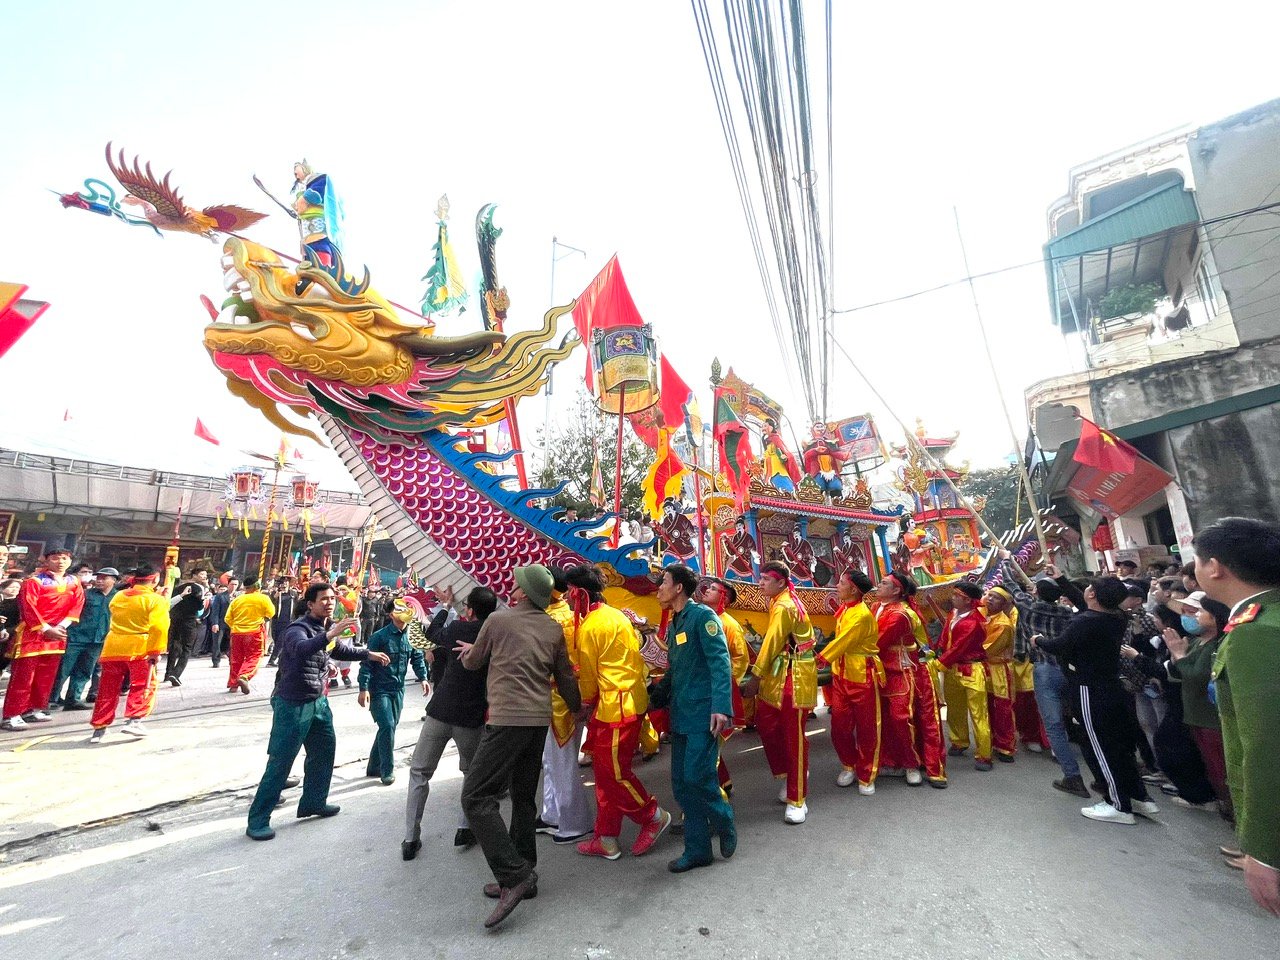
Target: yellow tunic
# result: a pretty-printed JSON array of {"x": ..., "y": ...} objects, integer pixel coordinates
[
  {"x": 562, "y": 720},
  {"x": 139, "y": 625},
  {"x": 855, "y": 645},
  {"x": 787, "y": 649},
  {"x": 999, "y": 647},
  {"x": 739, "y": 652},
  {"x": 611, "y": 671},
  {"x": 247, "y": 612}
]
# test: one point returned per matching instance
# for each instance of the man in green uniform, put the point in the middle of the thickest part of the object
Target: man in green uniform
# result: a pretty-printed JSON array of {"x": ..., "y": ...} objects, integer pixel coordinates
[
  {"x": 382, "y": 687},
  {"x": 1238, "y": 564},
  {"x": 697, "y": 688}
]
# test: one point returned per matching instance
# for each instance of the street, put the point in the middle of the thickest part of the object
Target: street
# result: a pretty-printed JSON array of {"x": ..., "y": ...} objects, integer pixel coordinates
[{"x": 999, "y": 865}]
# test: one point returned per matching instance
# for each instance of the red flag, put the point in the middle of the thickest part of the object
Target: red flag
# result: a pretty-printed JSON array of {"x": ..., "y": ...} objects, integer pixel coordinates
[
  {"x": 605, "y": 303},
  {"x": 16, "y": 315},
  {"x": 675, "y": 396},
  {"x": 203, "y": 433},
  {"x": 1104, "y": 450},
  {"x": 665, "y": 476},
  {"x": 734, "y": 445}
]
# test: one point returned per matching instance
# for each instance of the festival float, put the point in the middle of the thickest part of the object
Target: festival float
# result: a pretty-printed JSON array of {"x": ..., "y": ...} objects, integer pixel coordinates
[{"x": 402, "y": 407}]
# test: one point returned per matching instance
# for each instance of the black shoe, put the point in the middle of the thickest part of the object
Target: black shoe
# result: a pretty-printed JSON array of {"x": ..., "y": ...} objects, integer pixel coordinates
[
  {"x": 409, "y": 849},
  {"x": 939, "y": 784},
  {"x": 333, "y": 684},
  {"x": 1005, "y": 757},
  {"x": 493, "y": 891},
  {"x": 956, "y": 751},
  {"x": 509, "y": 898},
  {"x": 728, "y": 843},
  {"x": 91, "y": 698},
  {"x": 541, "y": 826},
  {"x": 983, "y": 765},
  {"x": 1072, "y": 785},
  {"x": 346, "y": 681},
  {"x": 291, "y": 782},
  {"x": 76, "y": 705},
  {"x": 173, "y": 680},
  {"x": 1096, "y": 787},
  {"x": 684, "y": 864},
  {"x": 328, "y": 810},
  {"x": 565, "y": 839},
  {"x": 464, "y": 839}
]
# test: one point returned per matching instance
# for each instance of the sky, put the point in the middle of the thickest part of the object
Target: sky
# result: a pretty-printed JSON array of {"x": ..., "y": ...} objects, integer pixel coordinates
[{"x": 592, "y": 122}]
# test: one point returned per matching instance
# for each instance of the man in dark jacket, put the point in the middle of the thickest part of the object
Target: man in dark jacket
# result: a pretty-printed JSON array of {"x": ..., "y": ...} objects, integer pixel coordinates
[
  {"x": 219, "y": 638},
  {"x": 382, "y": 688},
  {"x": 456, "y": 712},
  {"x": 300, "y": 711},
  {"x": 186, "y": 620},
  {"x": 523, "y": 648},
  {"x": 286, "y": 600}
]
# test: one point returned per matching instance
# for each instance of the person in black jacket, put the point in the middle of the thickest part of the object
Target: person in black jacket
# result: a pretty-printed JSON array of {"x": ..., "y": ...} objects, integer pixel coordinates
[
  {"x": 456, "y": 712},
  {"x": 1089, "y": 649}
]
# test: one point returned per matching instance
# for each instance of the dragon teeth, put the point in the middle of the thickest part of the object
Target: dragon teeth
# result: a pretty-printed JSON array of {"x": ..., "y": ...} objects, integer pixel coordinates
[{"x": 303, "y": 332}]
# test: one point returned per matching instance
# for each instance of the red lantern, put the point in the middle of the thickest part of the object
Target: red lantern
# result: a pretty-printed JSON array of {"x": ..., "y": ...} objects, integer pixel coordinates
[
  {"x": 303, "y": 491},
  {"x": 246, "y": 484}
]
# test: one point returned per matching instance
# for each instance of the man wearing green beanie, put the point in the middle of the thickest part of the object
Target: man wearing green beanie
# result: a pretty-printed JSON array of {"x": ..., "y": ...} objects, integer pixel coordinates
[{"x": 524, "y": 648}]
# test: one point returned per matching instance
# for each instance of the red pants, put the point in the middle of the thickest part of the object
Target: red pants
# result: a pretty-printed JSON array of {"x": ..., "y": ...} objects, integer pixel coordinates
[
  {"x": 619, "y": 791},
  {"x": 785, "y": 747},
  {"x": 142, "y": 690},
  {"x": 855, "y": 726},
  {"x": 1003, "y": 731},
  {"x": 898, "y": 730},
  {"x": 661, "y": 721},
  {"x": 1209, "y": 742},
  {"x": 1026, "y": 716},
  {"x": 930, "y": 743},
  {"x": 246, "y": 652},
  {"x": 30, "y": 683}
]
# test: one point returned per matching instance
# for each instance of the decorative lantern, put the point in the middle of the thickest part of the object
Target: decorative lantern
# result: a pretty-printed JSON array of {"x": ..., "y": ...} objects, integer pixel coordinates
[
  {"x": 246, "y": 484},
  {"x": 302, "y": 492}
]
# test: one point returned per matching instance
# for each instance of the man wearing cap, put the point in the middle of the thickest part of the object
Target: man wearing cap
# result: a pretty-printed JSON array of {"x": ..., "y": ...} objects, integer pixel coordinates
[
  {"x": 611, "y": 678},
  {"x": 138, "y": 635},
  {"x": 246, "y": 619},
  {"x": 1238, "y": 563},
  {"x": 1127, "y": 570},
  {"x": 386, "y": 685},
  {"x": 718, "y": 594},
  {"x": 856, "y": 678},
  {"x": 1000, "y": 684},
  {"x": 524, "y": 649},
  {"x": 84, "y": 642},
  {"x": 49, "y": 602},
  {"x": 963, "y": 657},
  {"x": 785, "y": 682},
  {"x": 696, "y": 688}
]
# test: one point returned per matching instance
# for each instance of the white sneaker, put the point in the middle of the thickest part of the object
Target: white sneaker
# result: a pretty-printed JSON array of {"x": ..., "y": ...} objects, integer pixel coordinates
[
  {"x": 867, "y": 789},
  {"x": 795, "y": 814},
  {"x": 845, "y": 779},
  {"x": 14, "y": 723},
  {"x": 1208, "y": 805},
  {"x": 914, "y": 779},
  {"x": 36, "y": 716},
  {"x": 892, "y": 772},
  {"x": 1144, "y": 808},
  {"x": 1107, "y": 813},
  {"x": 134, "y": 728},
  {"x": 98, "y": 736},
  {"x": 1033, "y": 748},
  {"x": 782, "y": 793}
]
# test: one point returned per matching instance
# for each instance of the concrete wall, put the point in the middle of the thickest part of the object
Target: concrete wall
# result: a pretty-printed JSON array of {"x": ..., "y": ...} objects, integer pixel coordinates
[
  {"x": 1230, "y": 466},
  {"x": 1236, "y": 166}
]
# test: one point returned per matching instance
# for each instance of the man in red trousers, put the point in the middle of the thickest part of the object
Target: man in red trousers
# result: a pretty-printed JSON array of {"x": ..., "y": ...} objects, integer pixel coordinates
[{"x": 48, "y": 603}]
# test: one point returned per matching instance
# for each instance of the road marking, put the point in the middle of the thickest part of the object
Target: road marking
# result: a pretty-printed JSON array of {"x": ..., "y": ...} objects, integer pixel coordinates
[
  {"x": 212, "y": 873},
  {"x": 32, "y": 743},
  {"x": 21, "y": 925}
]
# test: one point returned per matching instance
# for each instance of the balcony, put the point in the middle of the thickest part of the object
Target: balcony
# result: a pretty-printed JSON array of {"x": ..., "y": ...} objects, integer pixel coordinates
[{"x": 1163, "y": 333}]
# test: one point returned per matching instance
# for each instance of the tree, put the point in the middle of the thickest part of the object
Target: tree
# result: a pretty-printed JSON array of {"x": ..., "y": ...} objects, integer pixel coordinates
[
  {"x": 569, "y": 458},
  {"x": 1006, "y": 501}
]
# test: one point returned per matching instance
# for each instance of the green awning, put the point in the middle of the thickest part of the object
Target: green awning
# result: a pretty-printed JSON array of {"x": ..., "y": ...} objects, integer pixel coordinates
[{"x": 1129, "y": 244}]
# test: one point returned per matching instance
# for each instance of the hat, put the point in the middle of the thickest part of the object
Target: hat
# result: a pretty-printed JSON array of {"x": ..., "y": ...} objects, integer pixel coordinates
[
  {"x": 1189, "y": 604},
  {"x": 109, "y": 572},
  {"x": 1127, "y": 563},
  {"x": 536, "y": 582}
]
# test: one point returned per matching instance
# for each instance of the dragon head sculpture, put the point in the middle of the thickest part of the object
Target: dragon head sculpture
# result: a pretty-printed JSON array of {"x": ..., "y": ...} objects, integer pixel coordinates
[{"x": 315, "y": 340}]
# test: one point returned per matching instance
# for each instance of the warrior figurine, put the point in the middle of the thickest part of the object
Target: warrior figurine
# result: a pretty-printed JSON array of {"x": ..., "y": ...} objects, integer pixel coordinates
[{"x": 822, "y": 460}]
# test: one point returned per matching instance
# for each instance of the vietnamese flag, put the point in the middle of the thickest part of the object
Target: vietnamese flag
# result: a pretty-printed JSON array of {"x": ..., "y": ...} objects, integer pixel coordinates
[
  {"x": 665, "y": 476},
  {"x": 1104, "y": 450},
  {"x": 203, "y": 433},
  {"x": 734, "y": 445}
]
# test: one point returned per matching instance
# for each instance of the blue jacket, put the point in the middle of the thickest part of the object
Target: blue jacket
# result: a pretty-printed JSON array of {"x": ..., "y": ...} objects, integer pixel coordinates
[
  {"x": 392, "y": 641},
  {"x": 699, "y": 678},
  {"x": 95, "y": 619}
]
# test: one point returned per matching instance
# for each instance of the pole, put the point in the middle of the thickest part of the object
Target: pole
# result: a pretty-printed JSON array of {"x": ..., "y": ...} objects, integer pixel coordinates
[
  {"x": 1004, "y": 407},
  {"x": 266, "y": 533},
  {"x": 617, "y": 473},
  {"x": 697, "y": 496}
]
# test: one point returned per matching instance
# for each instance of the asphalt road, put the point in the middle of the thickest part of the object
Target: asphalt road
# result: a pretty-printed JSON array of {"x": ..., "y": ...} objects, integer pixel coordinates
[{"x": 997, "y": 866}]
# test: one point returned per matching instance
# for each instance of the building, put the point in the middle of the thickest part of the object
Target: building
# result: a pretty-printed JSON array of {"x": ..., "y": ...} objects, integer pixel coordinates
[{"x": 1163, "y": 267}]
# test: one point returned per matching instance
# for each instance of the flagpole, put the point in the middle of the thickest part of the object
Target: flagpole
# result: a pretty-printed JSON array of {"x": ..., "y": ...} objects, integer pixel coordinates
[
  {"x": 617, "y": 473},
  {"x": 697, "y": 496}
]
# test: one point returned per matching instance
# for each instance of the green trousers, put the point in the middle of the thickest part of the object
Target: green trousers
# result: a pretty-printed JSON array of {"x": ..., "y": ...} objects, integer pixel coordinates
[
  {"x": 296, "y": 726},
  {"x": 385, "y": 709},
  {"x": 694, "y": 782}
]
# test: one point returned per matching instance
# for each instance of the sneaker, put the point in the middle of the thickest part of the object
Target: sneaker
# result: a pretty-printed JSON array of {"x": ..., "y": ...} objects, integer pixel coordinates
[
  {"x": 1033, "y": 748},
  {"x": 867, "y": 789},
  {"x": 1144, "y": 808},
  {"x": 914, "y": 779},
  {"x": 36, "y": 716},
  {"x": 795, "y": 814},
  {"x": 565, "y": 839},
  {"x": 1231, "y": 853},
  {"x": 134, "y": 728},
  {"x": 1107, "y": 813},
  {"x": 1154, "y": 778},
  {"x": 845, "y": 779},
  {"x": 1168, "y": 789},
  {"x": 650, "y": 833},
  {"x": 99, "y": 734},
  {"x": 13, "y": 723},
  {"x": 1208, "y": 806},
  {"x": 1235, "y": 863},
  {"x": 585, "y": 760},
  {"x": 173, "y": 681},
  {"x": 595, "y": 847},
  {"x": 541, "y": 826}
]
